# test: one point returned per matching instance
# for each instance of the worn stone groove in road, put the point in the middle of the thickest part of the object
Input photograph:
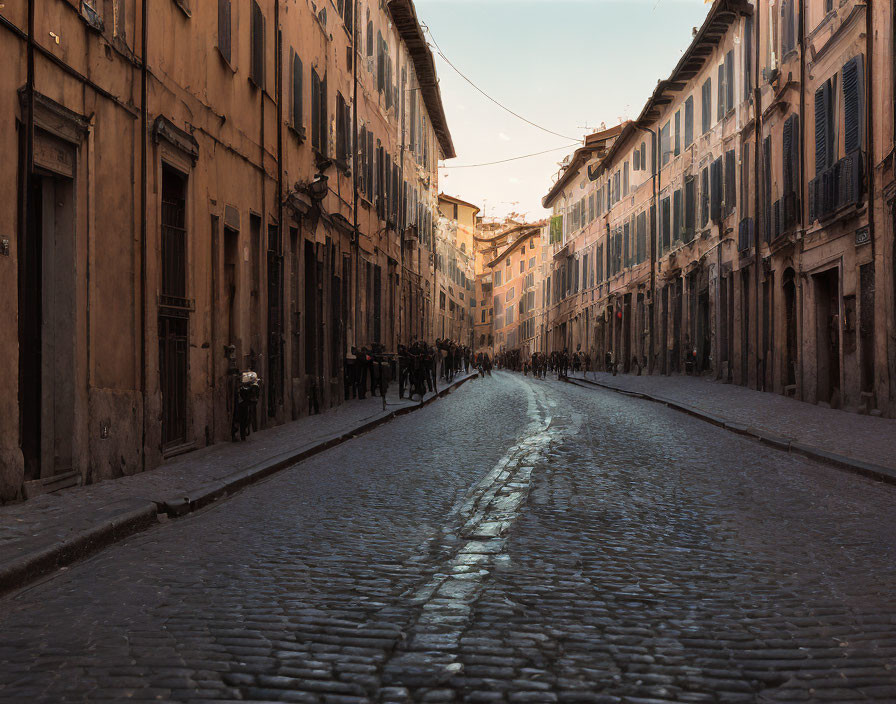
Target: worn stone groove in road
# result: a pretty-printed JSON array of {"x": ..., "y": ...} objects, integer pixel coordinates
[{"x": 430, "y": 656}]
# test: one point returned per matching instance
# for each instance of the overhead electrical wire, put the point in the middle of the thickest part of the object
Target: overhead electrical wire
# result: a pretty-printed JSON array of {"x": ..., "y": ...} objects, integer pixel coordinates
[
  {"x": 515, "y": 158},
  {"x": 496, "y": 102}
]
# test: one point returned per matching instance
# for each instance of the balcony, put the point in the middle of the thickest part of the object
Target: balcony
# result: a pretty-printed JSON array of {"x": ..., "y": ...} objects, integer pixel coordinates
[{"x": 838, "y": 187}]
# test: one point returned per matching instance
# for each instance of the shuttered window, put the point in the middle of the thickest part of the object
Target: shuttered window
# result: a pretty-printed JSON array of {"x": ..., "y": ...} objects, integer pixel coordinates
[
  {"x": 666, "y": 226},
  {"x": 729, "y": 81},
  {"x": 788, "y": 27},
  {"x": 824, "y": 127},
  {"x": 689, "y": 122},
  {"x": 730, "y": 182},
  {"x": 256, "y": 72},
  {"x": 704, "y": 197},
  {"x": 641, "y": 248},
  {"x": 380, "y": 63},
  {"x": 706, "y": 105},
  {"x": 343, "y": 130},
  {"x": 297, "y": 93},
  {"x": 666, "y": 143},
  {"x": 715, "y": 177},
  {"x": 318, "y": 113},
  {"x": 224, "y": 30},
  {"x": 676, "y": 215},
  {"x": 636, "y": 160},
  {"x": 790, "y": 153},
  {"x": 625, "y": 179},
  {"x": 678, "y": 133},
  {"x": 690, "y": 210},
  {"x": 853, "y": 103},
  {"x": 720, "y": 107}
]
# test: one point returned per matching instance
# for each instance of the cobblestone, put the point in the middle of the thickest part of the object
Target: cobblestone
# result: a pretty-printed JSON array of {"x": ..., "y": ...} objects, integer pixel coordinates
[
  {"x": 634, "y": 555},
  {"x": 862, "y": 437}
]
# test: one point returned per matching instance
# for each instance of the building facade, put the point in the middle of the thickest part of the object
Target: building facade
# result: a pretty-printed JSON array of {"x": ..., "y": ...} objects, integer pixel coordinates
[
  {"x": 745, "y": 219},
  {"x": 455, "y": 270},
  {"x": 230, "y": 185}
]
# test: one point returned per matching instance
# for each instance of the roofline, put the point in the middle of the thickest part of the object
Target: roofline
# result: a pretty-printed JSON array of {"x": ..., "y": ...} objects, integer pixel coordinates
[
  {"x": 597, "y": 139},
  {"x": 722, "y": 12},
  {"x": 408, "y": 25},
  {"x": 522, "y": 238},
  {"x": 718, "y": 20},
  {"x": 445, "y": 196}
]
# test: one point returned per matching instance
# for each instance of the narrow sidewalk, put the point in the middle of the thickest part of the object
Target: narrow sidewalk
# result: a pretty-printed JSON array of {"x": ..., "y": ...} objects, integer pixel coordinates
[
  {"x": 864, "y": 444},
  {"x": 52, "y": 530}
]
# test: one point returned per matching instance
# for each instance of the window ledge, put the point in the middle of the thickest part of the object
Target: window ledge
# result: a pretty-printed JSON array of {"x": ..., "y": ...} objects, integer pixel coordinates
[
  {"x": 184, "y": 7},
  {"x": 298, "y": 133},
  {"x": 225, "y": 60}
]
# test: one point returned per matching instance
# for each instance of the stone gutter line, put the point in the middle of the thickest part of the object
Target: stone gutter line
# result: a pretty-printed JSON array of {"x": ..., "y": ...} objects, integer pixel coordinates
[
  {"x": 138, "y": 515},
  {"x": 870, "y": 470}
]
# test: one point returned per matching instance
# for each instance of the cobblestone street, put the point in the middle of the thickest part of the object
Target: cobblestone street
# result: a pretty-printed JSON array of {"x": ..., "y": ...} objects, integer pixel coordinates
[{"x": 518, "y": 541}]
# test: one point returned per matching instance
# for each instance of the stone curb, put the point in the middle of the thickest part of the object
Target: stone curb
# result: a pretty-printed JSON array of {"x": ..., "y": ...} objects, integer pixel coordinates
[
  {"x": 41, "y": 561},
  {"x": 143, "y": 514},
  {"x": 865, "y": 469}
]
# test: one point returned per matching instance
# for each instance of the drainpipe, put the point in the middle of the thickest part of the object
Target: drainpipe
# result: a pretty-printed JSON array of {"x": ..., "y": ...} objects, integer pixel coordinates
[
  {"x": 757, "y": 130},
  {"x": 804, "y": 217},
  {"x": 355, "y": 224},
  {"x": 278, "y": 249},
  {"x": 144, "y": 130}
]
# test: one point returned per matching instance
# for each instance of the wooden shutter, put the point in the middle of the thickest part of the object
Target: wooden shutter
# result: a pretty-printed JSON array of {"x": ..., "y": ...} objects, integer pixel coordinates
[
  {"x": 676, "y": 215},
  {"x": 297, "y": 92},
  {"x": 729, "y": 81},
  {"x": 704, "y": 197},
  {"x": 821, "y": 128},
  {"x": 853, "y": 103},
  {"x": 315, "y": 109},
  {"x": 706, "y": 105},
  {"x": 748, "y": 57},
  {"x": 730, "y": 182},
  {"x": 720, "y": 110},
  {"x": 258, "y": 46},
  {"x": 224, "y": 30},
  {"x": 715, "y": 175},
  {"x": 690, "y": 209},
  {"x": 786, "y": 152},
  {"x": 767, "y": 186},
  {"x": 678, "y": 133},
  {"x": 689, "y": 122}
]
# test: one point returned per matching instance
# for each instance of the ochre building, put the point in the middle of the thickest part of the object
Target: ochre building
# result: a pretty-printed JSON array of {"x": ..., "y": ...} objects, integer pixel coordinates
[{"x": 198, "y": 188}]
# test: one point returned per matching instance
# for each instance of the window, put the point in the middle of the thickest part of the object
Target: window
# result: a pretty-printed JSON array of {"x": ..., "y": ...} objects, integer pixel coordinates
[
  {"x": 824, "y": 126},
  {"x": 641, "y": 245},
  {"x": 704, "y": 197},
  {"x": 345, "y": 11},
  {"x": 706, "y": 104},
  {"x": 730, "y": 182},
  {"x": 690, "y": 210},
  {"x": 532, "y": 263},
  {"x": 729, "y": 81},
  {"x": 788, "y": 27},
  {"x": 318, "y": 113},
  {"x": 625, "y": 179},
  {"x": 482, "y": 317},
  {"x": 256, "y": 71},
  {"x": 790, "y": 138},
  {"x": 590, "y": 213},
  {"x": 296, "y": 83},
  {"x": 497, "y": 278},
  {"x": 678, "y": 133},
  {"x": 343, "y": 130},
  {"x": 854, "y": 104},
  {"x": 380, "y": 62},
  {"x": 689, "y": 122},
  {"x": 722, "y": 93},
  {"x": 643, "y": 155},
  {"x": 636, "y": 160},
  {"x": 715, "y": 177},
  {"x": 666, "y": 224},
  {"x": 665, "y": 144},
  {"x": 224, "y": 31},
  {"x": 676, "y": 215},
  {"x": 522, "y": 265}
]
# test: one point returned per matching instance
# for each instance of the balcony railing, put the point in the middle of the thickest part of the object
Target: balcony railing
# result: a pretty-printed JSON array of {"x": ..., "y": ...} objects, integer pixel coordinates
[{"x": 838, "y": 187}]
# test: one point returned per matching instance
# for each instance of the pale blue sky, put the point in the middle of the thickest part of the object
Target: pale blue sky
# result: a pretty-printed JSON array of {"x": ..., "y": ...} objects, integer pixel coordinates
[{"x": 563, "y": 64}]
